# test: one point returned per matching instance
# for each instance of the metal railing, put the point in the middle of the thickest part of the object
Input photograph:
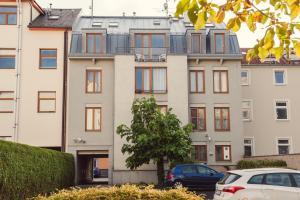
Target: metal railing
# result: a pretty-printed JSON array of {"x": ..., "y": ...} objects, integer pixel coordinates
[{"x": 146, "y": 54}]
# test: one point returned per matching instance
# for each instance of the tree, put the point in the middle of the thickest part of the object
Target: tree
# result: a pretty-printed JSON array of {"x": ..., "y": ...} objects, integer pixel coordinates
[
  {"x": 154, "y": 136},
  {"x": 279, "y": 19}
]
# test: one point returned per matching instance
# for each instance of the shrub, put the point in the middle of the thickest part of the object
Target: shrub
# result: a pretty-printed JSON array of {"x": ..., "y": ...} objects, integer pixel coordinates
[
  {"x": 250, "y": 164},
  {"x": 28, "y": 171},
  {"x": 124, "y": 192}
]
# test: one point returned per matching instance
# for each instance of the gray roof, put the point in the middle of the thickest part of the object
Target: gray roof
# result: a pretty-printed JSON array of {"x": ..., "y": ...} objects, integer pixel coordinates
[
  {"x": 66, "y": 19},
  {"x": 125, "y": 23}
]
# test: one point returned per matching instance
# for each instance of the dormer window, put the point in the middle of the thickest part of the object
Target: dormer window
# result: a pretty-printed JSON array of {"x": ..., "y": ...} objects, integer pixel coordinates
[
  {"x": 97, "y": 24},
  {"x": 94, "y": 43},
  {"x": 113, "y": 24},
  {"x": 156, "y": 22},
  {"x": 54, "y": 17},
  {"x": 220, "y": 43},
  {"x": 196, "y": 43}
]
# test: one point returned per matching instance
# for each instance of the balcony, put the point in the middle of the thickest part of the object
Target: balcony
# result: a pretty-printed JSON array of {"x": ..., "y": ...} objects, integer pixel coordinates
[{"x": 150, "y": 54}]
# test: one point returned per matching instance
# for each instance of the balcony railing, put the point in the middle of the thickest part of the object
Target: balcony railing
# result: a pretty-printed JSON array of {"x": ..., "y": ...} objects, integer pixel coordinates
[{"x": 146, "y": 54}]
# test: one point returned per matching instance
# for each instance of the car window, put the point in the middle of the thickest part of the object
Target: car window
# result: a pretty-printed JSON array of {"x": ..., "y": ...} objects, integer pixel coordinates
[
  {"x": 297, "y": 179},
  {"x": 205, "y": 170},
  {"x": 278, "y": 180},
  {"x": 257, "y": 179},
  {"x": 229, "y": 178},
  {"x": 188, "y": 169}
]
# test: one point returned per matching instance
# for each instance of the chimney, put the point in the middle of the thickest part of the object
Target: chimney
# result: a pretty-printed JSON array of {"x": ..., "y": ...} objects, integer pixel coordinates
[
  {"x": 123, "y": 14},
  {"x": 134, "y": 14}
]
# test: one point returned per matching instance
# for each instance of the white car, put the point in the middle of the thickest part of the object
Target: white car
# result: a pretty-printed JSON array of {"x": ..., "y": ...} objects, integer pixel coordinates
[{"x": 259, "y": 184}]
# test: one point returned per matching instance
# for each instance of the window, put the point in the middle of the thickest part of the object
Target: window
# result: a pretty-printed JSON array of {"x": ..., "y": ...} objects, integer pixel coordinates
[
  {"x": 197, "y": 82},
  {"x": 220, "y": 81},
  {"x": 76, "y": 43},
  {"x": 196, "y": 43},
  {"x": 245, "y": 79},
  {"x": 205, "y": 170},
  {"x": 229, "y": 178},
  {"x": 200, "y": 153},
  {"x": 48, "y": 58},
  {"x": 94, "y": 43},
  {"x": 93, "y": 81},
  {"x": 6, "y": 101},
  {"x": 7, "y": 62},
  {"x": 279, "y": 179},
  {"x": 220, "y": 42},
  {"x": 93, "y": 118},
  {"x": 222, "y": 119},
  {"x": 198, "y": 118},
  {"x": 248, "y": 147},
  {"x": 163, "y": 108},
  {"x": 8, "y": 15},
  {"x": 257, "y": 179},
  {"x": 297, "y": 179},
  {"x": 247, "y": 110},
  {"x": 189, "y": 169},
  {"x": 46, "y": 102},
  {"x": 281, "y": 109},
  {"x": 279, "y": 77},
  {"x": 150, "y": 80},
  {"x": 223, "y": 153},
  {"x": 283, "y": 146}
]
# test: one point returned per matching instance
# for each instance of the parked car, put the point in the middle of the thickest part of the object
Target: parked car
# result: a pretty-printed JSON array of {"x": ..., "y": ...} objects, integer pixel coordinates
[
  {"x": 259, "y": 184},
  {"x": 197, "y": 176}
]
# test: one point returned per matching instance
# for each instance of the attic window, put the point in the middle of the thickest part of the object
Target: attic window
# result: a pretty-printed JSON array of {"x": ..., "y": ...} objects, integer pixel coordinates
[
  {"x": 97, "y": 24},
  {"x": 188, "y": 24},
  {"x": 209, "y": 25},
  {"x": 156, "y": 22},
  {"x": 113, "y": 24},
  {"x": 53, "y": 17}
]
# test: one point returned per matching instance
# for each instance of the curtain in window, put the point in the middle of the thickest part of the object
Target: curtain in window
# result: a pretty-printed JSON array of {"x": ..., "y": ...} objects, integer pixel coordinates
[
  {"x": 97, "y": 82},
  {"x": 97, "y": 119},
  {"x": 147, "y": 80},
  {"x": 224, "y": 82},
  {"x": 225, "y": 119},
  {"x": 201, "y": 115},
  {"x": 196, "y": 43},
  {"x": 218, "y": 119},
  {"x": 193, "y": 81},
  {"x": 90, "y": 81},
  {"x": 159, "y": 80},
  {"x": 90, "y": 43},
  {"x": 200, "y": 82},
  {"x": 89, "y": 119},
  {"x": 216, "y": 82}
]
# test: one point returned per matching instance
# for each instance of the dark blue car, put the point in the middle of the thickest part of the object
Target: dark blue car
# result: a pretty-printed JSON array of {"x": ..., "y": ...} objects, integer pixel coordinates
[{"x": 196, "y": 176}]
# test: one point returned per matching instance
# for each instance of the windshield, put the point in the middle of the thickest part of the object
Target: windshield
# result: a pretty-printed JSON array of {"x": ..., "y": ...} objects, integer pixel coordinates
[{"x": 229, "y": 178}]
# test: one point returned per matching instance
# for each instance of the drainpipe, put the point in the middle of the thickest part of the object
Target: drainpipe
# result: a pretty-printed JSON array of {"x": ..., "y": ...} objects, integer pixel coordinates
[
  {"x": 18, "y": 72},
  {"x": 65, "y": 91}
]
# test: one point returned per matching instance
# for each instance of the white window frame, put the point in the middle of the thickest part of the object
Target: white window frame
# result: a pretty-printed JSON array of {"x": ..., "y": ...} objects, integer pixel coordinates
[
  {"x": 290, "y": 144},
  {"x": 252, "y": 144},
  {"x": 250, "y": 109},
  {"x": 248, "y": 77},
  {"x": 287, "y": 107},
  {"x": 284, "y": 77}
]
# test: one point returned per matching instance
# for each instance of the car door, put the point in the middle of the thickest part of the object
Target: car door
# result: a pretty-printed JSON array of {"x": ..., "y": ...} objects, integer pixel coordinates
[
  {"x": 296, "y": 178},
  {"x": 279, "y": 186},
  {"x": 206, "y": 178},
  {"x": 189, "y": 173}
]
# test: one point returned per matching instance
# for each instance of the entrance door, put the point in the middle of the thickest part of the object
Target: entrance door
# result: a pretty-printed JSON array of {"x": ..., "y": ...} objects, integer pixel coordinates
[{"x": 100, "y": 169}]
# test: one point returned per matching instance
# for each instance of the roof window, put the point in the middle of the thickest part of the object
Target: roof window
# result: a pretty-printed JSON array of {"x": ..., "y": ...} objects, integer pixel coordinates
[
  {"x": 113, "y": 24},
  {"x": 54, "y": 17},
  {"x": 97, "y": 24},
  {"x": 156, "y": 22}
]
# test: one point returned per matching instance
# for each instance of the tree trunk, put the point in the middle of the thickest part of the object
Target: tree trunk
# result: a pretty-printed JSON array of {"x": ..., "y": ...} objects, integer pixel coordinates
[{"x": 160, "y": 172}]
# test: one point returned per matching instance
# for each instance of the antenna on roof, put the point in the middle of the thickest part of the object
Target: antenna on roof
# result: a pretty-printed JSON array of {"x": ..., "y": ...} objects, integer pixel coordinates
[
  {"x": 50, "y": 8},
  {"x": 166, "y": 7},
  {"x": 92, "y": 9}
]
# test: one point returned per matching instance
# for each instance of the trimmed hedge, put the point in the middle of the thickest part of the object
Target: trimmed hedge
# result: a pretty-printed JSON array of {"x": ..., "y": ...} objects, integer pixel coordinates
[
  {"x": 251, "y": 164},
  {"x": 28, "y": 171},
  {"x": 125, "y": 192}
]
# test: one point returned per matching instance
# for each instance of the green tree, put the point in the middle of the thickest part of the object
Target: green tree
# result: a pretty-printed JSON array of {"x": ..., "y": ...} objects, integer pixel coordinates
[
  {"x": 278, "y": 18},
  {"x": 153, "y": 136}
]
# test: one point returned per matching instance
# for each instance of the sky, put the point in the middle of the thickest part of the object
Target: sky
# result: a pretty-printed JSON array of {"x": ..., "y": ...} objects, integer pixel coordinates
[{"x": 142, "y": 8}]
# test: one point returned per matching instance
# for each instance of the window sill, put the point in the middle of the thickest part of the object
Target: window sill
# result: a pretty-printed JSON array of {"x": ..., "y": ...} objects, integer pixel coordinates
[
  {"x": 247, "y": 120},
  {"x": 282, "y": 120},
  {"x": 280, "y": 84}
]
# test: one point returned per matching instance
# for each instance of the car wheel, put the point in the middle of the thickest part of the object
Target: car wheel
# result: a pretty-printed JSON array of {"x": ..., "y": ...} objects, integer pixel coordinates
[{"x": 178, "y": 184}]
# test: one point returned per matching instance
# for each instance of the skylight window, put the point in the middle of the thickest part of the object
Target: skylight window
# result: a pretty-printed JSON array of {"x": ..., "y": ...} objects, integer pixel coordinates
[
  {"x": 113, "y": 24},
  {"x": 156, "y": 22},
  {"x": 97, "y": 24},
  {"x": 54, "y": 17}
]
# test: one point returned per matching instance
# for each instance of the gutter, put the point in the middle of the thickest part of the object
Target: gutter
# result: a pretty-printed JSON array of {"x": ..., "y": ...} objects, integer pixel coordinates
[{"x": 65, "y": 91}]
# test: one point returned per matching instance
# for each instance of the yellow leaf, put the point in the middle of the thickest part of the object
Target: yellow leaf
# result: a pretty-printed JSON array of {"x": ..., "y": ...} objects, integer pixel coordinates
[
  {"x": 263, "y": 53},
  {"x": 201, "y": 21},
  {"x": 237, "y": 25},
  {"x": 182, "y": 6},
  {"x": 247, "y": 4},
  {"x": 277, "y": 52},
  {"x": 230, "y": 23},
  {"x": 297, "y": 48},
  {"x": 295, "y": 10},
  {"x": 269, "y": 39},
  {"x": 251, "y": 25},
  {"x": 220, "y": 16},
  {"x": 250, "y": 55}
]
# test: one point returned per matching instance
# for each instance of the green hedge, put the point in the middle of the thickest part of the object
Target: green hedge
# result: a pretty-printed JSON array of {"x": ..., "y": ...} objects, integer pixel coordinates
[
  {"x": 125, "y": 192},
  {"x": 28, "y": 171},
  {"x": 251, "y": 164}
]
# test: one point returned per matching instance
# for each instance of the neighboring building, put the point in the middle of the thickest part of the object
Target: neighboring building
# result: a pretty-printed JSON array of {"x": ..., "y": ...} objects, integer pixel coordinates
[
  {"x": 33, "y": 60},
  {"x": 114, "y": 60},
  {"x": 270, "y": 106}
]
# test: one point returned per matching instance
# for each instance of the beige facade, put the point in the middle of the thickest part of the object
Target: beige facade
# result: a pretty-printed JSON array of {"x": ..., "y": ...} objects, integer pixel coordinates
[
  {"x": 26, "y": 123},
  {"x": 264, "y": 128}
]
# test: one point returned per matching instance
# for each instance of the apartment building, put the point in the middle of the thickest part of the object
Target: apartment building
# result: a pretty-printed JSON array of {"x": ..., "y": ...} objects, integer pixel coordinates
[
  {"x": 114, "y": 60},
  {"x": 270, "y": 106},
  {"x": 33, "y": 64}
]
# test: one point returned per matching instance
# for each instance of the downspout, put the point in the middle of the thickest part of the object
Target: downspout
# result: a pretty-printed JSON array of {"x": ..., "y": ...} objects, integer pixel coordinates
[
  {"x": 65, "y": 91},
  {"x": 18, "y": 72}
]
